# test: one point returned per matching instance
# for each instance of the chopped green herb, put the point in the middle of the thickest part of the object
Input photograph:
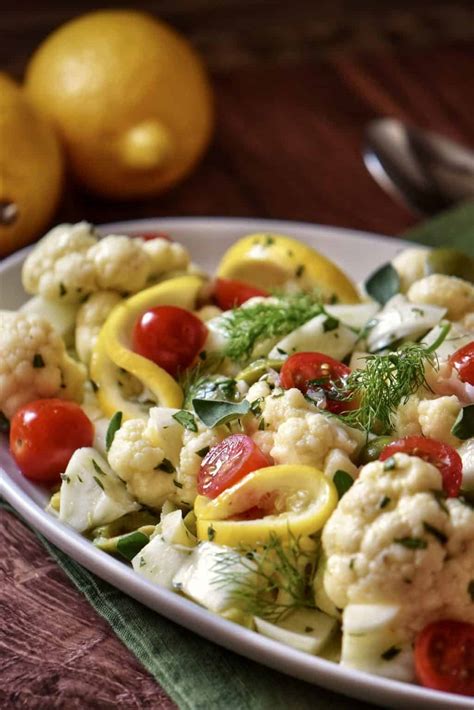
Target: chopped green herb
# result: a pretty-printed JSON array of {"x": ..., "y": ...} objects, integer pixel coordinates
[
  {"x": 383, "y": 284},
  {"x": 256, "y": 408},
  {"x": 299, "y": 271},
  {"x": 38, "y": 360},
  {"x": 95, "y": 387},
  {"x": 186, "y": 419},
  {"x": 261, "y": 424},
  {"x": 62, "y": 289},
  {"x": 470, "y": 589},
  {"x": 438, "y": 534},
  {"x": 99, "y": 482},
  {"x": 463, "y": 427},
  {"x": 203, "y": 452},
  {"x": 343, "y": 481},
  {"x": 142, "y": 561},
  {"x": 330, "y": 324},
  {"x": 389, "y": 464},
  {"x": 130, "y": 545},
  {"x": 412, "y": 543},
  {"x": 440, "y": 498},
  {"x": 390, "y": 653},
  {"x": 65, "y": 477},
  {"x": 216, "y": 412},
  {"x": 97, "y": 468},
  {"x": 211, "y": 533},
  {"x": 4, "y": 424},
  {"x": 269, "y": 240},
  {"x": 166, "y": 466},
  {"x": 384, "y": 502},
  {"x": 203, "y": 355},
  {"x": 114, "y": 425},
  {"x": 308, "y": 629},
  {"x": 281, "y": 351},
  {"x": 177, "y": 483}
]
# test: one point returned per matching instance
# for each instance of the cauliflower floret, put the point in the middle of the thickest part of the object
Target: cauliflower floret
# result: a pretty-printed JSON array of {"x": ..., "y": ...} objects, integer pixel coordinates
[
  {"x": 90, "y": 318},
  {"x": 338, "y": 460},
  {"x": 190, "y": 461},
  {"x": 58, "y": 267},
  {"x": 456, "y": 295},
  {"x": 120, "y": 263},
  {"x": 295, "y": 433},
  {"x": 165, "y": 256},
  {"x": 391, "y": 540},
  {"x": 429, "y": 417},
  {"x": 410, "y": 266},
  {"x": 34, "y": 363},
  {"x": 136, "y": 460}
]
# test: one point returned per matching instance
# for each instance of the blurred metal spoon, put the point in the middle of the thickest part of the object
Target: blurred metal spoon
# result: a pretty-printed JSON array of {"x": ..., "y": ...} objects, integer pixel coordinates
[{"x": 423, "y": 169}]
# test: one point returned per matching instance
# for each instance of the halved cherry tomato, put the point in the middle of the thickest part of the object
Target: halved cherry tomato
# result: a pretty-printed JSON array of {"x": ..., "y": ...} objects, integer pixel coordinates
[
  {"x": 44, "y": 435},
  {"x": 318, "y": 375},
  {"x": 444, "y": 656},
  {"x": 228, "y": 462},
  {"x": 169, "y": 336},
  {"x": 463, "y": 361},
  {"x": 444, "y": 457},
  {"x": 231, "y": 294},
  {"x": 148, "y": 236}
]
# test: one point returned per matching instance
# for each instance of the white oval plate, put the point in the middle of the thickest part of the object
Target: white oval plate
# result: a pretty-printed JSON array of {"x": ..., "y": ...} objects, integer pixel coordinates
[{"x": 207, "y": 239}]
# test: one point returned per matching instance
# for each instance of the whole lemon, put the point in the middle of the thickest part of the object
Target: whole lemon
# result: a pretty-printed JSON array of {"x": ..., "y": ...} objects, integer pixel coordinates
[
  {"x": 31, "y": 169},
  {"x": 129, "y": 97}
]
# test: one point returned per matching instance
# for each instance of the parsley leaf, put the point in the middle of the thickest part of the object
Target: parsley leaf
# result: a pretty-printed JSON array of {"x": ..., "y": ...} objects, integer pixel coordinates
[{"x": 186, "y": 419}]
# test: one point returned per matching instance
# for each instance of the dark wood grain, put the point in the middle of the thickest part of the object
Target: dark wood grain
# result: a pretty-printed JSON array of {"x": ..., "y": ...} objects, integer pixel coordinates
[{"x": 294, "y": 89}]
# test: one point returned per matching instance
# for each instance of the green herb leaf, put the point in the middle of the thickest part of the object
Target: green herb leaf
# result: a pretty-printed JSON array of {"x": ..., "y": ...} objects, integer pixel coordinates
[
  {"x": 38, "y": 360},
  {"x": 343, "y": 481},
  {"x": 438, "y": 534},
  {"x": 203, "y": 452},
  {"x": 130, "y": 545},
  {"x": 99, "y": 482},
  {"x": 463, "y": 427},
  {"x": 216, "y": 412},
  {"x": 390, "y": 653},
  {"x": 166, "y": 466},
  {"x": 62, "y": 289},
  {"x": 97, "y": 468},
  {"x": 211, "y": 533},
  {"x": 412, "y": 543},
  {"x": 330, "y": 324},
  {"x": 4, "y": 424},
  {"x": 383, "y": 284},
  {"x": 186, "y": 419},
  {"x": 384, "y": 502},
  {"x": 114, "y": 425}
]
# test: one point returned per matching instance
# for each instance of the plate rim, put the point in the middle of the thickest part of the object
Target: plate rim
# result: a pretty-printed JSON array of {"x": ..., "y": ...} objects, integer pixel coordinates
[{"x": 274, "y": 654}]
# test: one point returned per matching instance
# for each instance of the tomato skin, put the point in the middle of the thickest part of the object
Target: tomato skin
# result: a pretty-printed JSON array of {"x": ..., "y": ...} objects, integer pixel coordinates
[
  {"x": 44, "y": 435},
  {"x": 443, "y": 456},
  {"x": 301, "y": 368},
  {"x": 169, "y": 336},
  {"x": 227, "y": 463},
  {"x": 444, "y": 657},
  {"x": 463, "y": 362},
  {"x": 148, "y": 236},
  {"x": 229, "y": 293}
]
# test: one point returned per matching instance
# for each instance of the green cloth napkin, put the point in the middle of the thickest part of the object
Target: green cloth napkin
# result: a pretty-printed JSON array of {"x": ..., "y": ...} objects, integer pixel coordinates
[{"x": 197, "y": 674}]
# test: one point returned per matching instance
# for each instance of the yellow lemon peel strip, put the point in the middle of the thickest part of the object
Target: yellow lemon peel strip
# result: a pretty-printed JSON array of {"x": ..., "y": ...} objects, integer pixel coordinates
[{"x": 305, "y": 497}]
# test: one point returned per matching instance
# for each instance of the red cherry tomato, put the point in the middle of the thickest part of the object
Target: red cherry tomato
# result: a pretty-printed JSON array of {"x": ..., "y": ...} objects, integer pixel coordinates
[
  {"x": 463, "y": 361},
  {"x": 444, "y": 657},
  {"x": 44, "y": 435},
  {"x": 226, "y": 463},
  {"x": 148, "y": 236},
  {"x": 169, "y": 336},
  {"x": 231, "y": 294},
  {"x": 317, "y": 374},
  {"x": 443, "y": 456}
]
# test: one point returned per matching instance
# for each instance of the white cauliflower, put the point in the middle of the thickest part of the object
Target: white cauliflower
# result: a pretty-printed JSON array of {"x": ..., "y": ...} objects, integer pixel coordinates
[
  {"x": 433, "y": 418},
  {"x": 120, "y": 263},
  {"x": 393, "y": 540},
  {"x": 295, "y": 433},
  {"x": 338, "y": 460},
  {"x": 58, "y": 268},
  {"x": 165, "y": 256},
  {"x": 34, "y": 363},
  {"x": 70, "y": 263},
  {"x": 90, "y": 318},
  {"x": 456, "y": 295},
  {"x": 410, "y": 266},
  {"x": 136, "y": 460}
]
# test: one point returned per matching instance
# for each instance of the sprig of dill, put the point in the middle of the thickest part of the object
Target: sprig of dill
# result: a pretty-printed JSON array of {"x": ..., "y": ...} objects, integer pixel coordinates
[
  {"x": 386, "y": 382},
  {"x": 245, "y": 327},
  {"x": 195, "y": 378},
  {"x": 281, "y": 579}
]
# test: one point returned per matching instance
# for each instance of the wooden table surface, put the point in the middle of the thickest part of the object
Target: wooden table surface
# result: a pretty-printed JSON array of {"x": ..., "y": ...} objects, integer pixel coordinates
[{"x": 287, "y": 145}]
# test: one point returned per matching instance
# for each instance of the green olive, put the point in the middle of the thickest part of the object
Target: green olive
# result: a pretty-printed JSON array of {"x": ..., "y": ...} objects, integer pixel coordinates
[
  {"x": 256, "y": 369},
  {"x": 450, "y": 262},
  {"x": 126, "y": 524},
  {"x": 373, "y": 449}
]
